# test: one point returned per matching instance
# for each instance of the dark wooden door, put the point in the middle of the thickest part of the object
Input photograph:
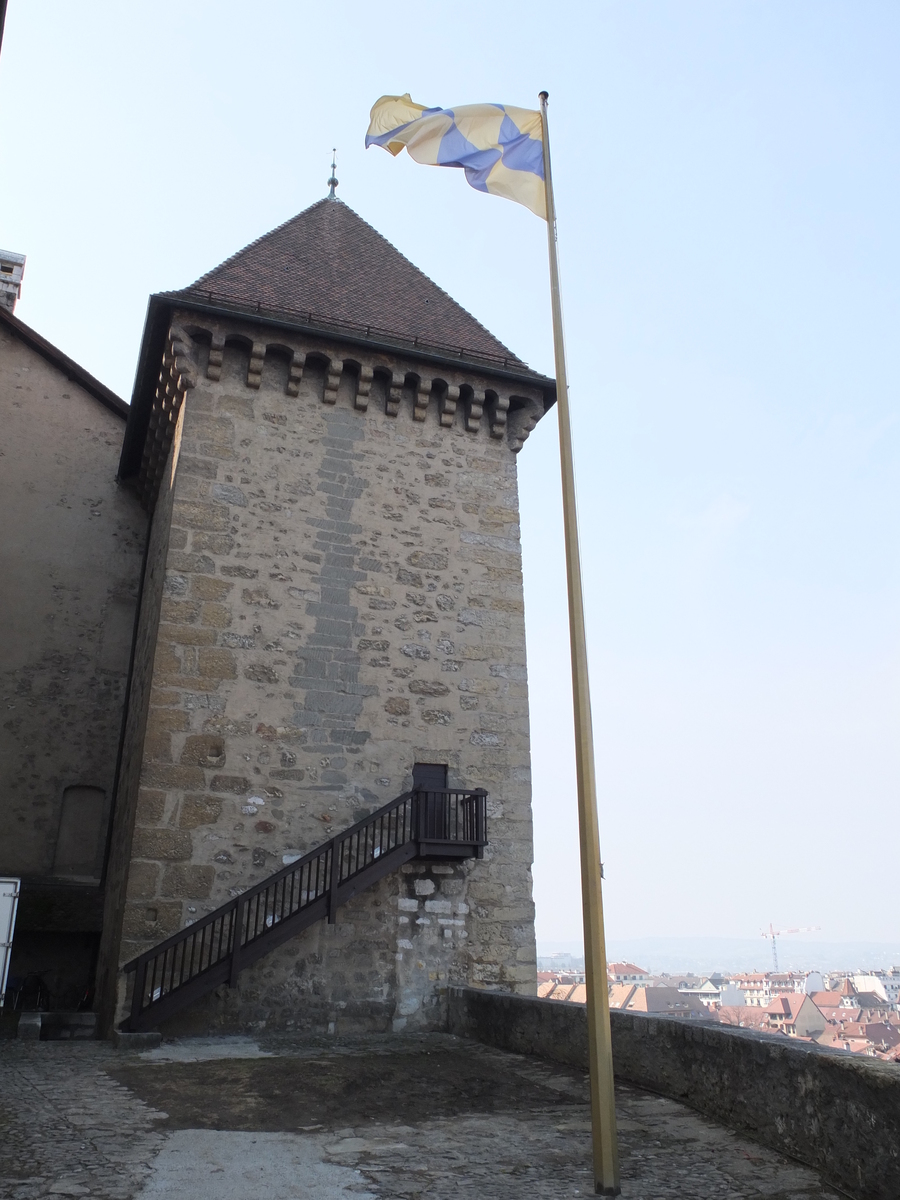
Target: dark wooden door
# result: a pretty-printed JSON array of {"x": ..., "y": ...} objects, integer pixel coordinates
[{"x": 435, "y": 814}]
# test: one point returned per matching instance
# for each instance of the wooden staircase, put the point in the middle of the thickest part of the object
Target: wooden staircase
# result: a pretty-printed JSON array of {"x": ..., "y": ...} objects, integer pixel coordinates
[{"x": 422, "y": 824}]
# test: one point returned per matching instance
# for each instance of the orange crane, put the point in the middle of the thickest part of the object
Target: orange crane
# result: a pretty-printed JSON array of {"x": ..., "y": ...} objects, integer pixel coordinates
[{"x": 774, "y": 934}]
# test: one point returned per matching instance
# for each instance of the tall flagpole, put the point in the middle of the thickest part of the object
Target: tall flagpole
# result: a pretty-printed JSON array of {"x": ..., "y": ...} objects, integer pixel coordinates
[{"x": 603, "y": 1108}]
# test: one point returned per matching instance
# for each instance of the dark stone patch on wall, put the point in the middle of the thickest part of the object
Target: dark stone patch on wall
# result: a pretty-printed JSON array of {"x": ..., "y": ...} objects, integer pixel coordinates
[{"x": 328, "y": 665}]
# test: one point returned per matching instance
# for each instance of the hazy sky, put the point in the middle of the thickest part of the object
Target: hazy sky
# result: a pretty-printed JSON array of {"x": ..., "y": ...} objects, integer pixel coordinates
[{"x": 727, "y": 186}]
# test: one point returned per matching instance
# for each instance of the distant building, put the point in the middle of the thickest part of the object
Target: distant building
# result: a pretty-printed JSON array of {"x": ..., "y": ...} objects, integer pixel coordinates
[
  {"x": 561, "y": 961},
  {"x": 707, "y": 993},
  {"x": 885, "y": 984},
  {"x": 12, "y": 268},
  {"x": 744, "y": 1016},
  {"x": 663, "y": 1001},
  {"x": 623, "y": 972},
  {"x": 784, "y": 983},
  {"x": 620, "y": 994},
  {"x": 755, "y": 987},
  {"x": 795, "y": 1015}
]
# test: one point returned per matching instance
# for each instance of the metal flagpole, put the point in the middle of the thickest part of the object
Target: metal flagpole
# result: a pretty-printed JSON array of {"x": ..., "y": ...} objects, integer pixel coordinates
[{"x": 603, "y": 1108}]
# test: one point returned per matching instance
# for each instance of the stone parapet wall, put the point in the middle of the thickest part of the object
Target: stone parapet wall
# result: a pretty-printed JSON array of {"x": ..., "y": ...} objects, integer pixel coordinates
[
  {"x": 342, "y": 599},
  {"x": 835, "y": 1112}
]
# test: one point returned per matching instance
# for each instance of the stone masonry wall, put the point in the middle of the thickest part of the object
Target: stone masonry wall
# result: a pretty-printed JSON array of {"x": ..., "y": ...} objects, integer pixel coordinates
[
  {"x": 69, "y": 570},
  {"x": 120, "y": 874},
  {"x": 343, "y": 598}
]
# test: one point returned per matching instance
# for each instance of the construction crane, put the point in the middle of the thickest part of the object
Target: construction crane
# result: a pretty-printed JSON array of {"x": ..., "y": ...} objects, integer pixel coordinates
[{"x": 774, "y": 934}]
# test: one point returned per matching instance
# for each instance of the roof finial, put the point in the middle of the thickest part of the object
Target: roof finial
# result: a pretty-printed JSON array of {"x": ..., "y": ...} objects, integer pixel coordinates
[{"x": 333, "y": 182}]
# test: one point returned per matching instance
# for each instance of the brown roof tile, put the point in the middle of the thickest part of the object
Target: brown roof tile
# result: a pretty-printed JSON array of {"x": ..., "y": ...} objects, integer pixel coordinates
[{"x": 328, "y": 262}]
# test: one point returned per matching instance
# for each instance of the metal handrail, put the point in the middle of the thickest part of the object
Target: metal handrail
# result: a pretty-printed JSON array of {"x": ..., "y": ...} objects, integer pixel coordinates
[{"x": 432, "y": 817}]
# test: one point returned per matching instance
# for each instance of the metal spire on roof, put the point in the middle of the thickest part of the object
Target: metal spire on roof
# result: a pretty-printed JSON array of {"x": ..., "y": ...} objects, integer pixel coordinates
[{"x": 333, "y": 182}]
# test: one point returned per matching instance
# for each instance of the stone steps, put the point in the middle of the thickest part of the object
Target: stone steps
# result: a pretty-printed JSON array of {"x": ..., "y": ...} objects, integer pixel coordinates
[{"x": 57, "y": 1026}]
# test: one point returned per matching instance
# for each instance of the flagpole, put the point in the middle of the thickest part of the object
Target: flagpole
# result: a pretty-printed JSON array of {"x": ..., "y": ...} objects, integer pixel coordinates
[{"x": 603, "y": 1108}]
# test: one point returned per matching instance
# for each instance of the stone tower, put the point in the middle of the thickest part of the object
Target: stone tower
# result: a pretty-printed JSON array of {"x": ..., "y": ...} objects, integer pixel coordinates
[{"x": 332, "y": 594}]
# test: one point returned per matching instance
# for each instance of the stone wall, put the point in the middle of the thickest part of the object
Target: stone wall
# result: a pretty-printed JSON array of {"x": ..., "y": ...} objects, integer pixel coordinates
[
  {"x": 70, "y": 561},
  {"x": 343, "y": 598},
  {"x": 120, "y": 876},
  {"x": 836, "y": 1112}
]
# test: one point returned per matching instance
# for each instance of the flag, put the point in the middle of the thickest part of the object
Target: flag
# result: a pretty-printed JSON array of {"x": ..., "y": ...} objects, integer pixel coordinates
[{"x": 499, "y": 147}]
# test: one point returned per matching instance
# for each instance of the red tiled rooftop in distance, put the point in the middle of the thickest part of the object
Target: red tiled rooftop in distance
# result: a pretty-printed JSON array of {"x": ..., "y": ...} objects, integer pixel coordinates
[
  {"x": 838, "y": 1015},
  {"x": 620, "y": 994},
  {"x": 787, "y": 1005},
  {"x": 826, "y": 999},
  {"x": 664, "y": 1000}
]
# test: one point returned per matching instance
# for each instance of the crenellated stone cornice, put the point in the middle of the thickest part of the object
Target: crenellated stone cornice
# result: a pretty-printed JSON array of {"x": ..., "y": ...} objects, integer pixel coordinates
[{"x": 397, "y": 383}]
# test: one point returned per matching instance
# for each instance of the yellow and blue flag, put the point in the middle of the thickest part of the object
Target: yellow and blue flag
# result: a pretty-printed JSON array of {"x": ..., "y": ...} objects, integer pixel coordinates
[{"x": 499, "y": 147}]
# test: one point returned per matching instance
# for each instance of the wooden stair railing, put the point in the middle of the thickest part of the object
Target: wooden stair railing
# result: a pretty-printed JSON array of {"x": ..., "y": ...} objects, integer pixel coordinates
[{"x": 424, "y": 824}]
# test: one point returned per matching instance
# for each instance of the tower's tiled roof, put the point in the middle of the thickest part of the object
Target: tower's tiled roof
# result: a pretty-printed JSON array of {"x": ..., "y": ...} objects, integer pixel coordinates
[{"x": 329, "y": 263}]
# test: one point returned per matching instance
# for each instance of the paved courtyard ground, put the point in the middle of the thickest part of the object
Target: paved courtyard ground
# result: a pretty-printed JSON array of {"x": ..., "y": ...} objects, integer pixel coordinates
[{"x": 416, "y": 1117}]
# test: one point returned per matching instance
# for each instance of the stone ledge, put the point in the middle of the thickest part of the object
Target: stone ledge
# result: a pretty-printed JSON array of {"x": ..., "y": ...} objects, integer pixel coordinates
[
  {"x": 135, "y": 1041},
  {"x": 29, "y": 1027},
  {"x": 832, "y": 1111}
]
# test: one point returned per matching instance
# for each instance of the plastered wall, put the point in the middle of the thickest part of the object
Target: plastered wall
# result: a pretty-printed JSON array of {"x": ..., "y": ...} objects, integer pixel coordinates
[{"x": 70, "y": 560}]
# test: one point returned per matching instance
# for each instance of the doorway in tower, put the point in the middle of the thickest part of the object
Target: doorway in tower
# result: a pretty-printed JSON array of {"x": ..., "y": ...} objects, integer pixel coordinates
[{"x": 430, "y": 780}]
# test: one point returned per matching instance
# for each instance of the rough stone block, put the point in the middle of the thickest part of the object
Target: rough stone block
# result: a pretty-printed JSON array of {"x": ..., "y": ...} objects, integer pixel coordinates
[
  {"x": 428, "y": 561},
  {"x": 179, "y": 612},
  {"x": 213, "y": 543},
  {"x": 166, "y": 721},
  {"x": 195, "y": 514},
  {"x": 428, "y": 687},
  {"x": 151, "y": 804},
  {"x": 188, "y": 882},
  {"x": 192, "y": 564},
  {"x": 216, "y": 616},
  {"x": 158, "y": 747},
  {"x": 217, "y": 664},
  {"x": 187, "y": 635},
  {"x": 151, "y": 922},
  {"x": 200, "y": 467},
  {"x": 163, "y": 775},
  {"x": 143, "y": 880},
  {"x": 203, "y": 750},
  {"x": 205, "y": 588},
  {"x": 173, "y": 844},
  {"x": 233, "y": 785},
  {"x": 199, "y": 810}
]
